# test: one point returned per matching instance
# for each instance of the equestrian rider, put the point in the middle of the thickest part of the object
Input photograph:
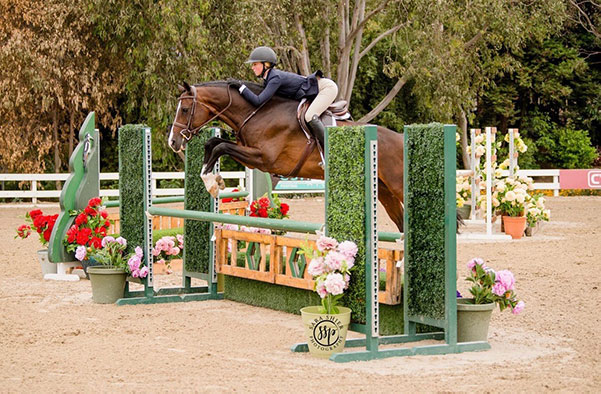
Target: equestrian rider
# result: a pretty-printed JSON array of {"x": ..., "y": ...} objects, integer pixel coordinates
[{"x": 322, "y": 91}]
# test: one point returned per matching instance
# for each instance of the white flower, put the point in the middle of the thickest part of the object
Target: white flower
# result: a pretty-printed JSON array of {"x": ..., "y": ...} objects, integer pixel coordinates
[
  {"x": 540, "y": 203},
  {"x": 510, "y": 195},
  {"x": 479, "y": 151},
  {"x": 479, "y": 139}
]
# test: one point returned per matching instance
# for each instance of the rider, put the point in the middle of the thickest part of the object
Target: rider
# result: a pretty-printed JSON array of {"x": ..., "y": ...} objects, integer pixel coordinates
[{"x": 322, "y": 90}]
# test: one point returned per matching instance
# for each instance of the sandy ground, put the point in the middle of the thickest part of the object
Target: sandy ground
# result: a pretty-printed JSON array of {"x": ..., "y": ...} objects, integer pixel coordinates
[{"x": 53, "y": 338}]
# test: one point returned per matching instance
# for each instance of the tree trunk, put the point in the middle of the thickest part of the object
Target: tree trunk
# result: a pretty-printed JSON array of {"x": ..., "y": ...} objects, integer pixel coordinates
[
  {"x": 463, "y": 131},
  {"x": 385, "y": 101}
]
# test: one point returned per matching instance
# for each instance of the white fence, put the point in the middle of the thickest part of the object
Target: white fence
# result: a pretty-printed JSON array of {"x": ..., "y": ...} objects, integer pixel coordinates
[{"x": 34, "y": 193}]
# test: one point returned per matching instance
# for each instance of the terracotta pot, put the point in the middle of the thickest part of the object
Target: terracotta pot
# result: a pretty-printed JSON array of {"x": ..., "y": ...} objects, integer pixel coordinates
[{"x": 514, "y": 226}]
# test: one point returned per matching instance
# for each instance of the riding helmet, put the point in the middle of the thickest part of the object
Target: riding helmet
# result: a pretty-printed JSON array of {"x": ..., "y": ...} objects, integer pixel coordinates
[{"x": 262, "y": 54}]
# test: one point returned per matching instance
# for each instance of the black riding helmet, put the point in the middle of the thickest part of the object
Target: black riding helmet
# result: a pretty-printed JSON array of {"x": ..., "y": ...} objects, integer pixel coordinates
[{"x": 262, "y": 54}]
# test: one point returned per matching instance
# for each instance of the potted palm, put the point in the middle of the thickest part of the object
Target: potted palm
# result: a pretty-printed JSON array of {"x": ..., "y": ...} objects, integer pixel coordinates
[
  {"x": 326, "y": 325},
  {"x": 488, "y": 288},
  {"x": 108, "y": 278}
]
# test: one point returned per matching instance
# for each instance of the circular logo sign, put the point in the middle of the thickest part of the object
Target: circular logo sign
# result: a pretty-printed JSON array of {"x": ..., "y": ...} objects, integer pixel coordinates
[{"x": 326, "y": 333}]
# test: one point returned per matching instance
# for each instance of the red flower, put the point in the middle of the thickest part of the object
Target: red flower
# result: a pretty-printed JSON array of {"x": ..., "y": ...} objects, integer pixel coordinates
[
  {"x": 91, "y": 211},
  {"x": 94, "y": 202},
  {"x": 263, "y": 212},
  {"x": 284, "y": 208},
  {"x": 107, "y": 224},
  {"x": 39, "y": 223},
  {"x": 47, "y": 234},
  {"x": 83, "y": 236},
  {"x": 35, "y": 213},
  {"x": 96, "y": 242},
  {"x": 264, "y": 202},
  {"x": 72, "y": 234},
  {"x": 104, "y": 214},
  {"x": 253, "y": 207},
  {"x": 82, "y": 218},
  {"x": 23, "y": 231}
]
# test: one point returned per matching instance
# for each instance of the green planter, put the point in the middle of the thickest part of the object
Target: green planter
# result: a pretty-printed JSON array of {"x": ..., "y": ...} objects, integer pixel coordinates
[
  {"x": 326, "y": 334},
  {"x": 473, "y": 320},
  {"x": 108, "y": 284}
]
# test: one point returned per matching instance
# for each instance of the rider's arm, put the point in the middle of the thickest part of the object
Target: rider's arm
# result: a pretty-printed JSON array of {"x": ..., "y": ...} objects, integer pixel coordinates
[{"x": 272, "y": 86}]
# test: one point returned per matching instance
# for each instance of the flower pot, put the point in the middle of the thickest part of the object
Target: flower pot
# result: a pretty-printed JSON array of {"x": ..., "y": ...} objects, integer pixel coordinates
[
  {"x": 464, "y": 211},
  {"x": 108, "y": 283},
  {"x": 528, "y": 232},
  {"x": 87, "y": 264},
  {"x": 514, "y": 226},
  {"x": 473, "y": 320},
  {"x": 47, "y": 266},
  {"x": 326, "y": 333}
]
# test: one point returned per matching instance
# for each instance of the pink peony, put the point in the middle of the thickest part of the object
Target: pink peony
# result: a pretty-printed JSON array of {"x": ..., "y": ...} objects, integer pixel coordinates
[
  {"x": 326, "y": 243},
  {"x": 348, "y": 249},
  {"x": 106, "y": 240},
  {"x": 505, "y": 277},
  {"x": 139, "y": 251},
  {"x": 334, "y": 261},
  {"x": 122, "y": 241},
  {"x": 335, "y": 283},
  {"x": 472, "y": 263},
  {"x": 81, "y": 252},
  {"x": 518, "y": 307},
  {"x": 316, "y": 267},
  {"x": 320, "y": 288},
  {"x": 134, "y": 263},
  {"x": 143, "y": 272},
  {"x": 499, "y": 289}
]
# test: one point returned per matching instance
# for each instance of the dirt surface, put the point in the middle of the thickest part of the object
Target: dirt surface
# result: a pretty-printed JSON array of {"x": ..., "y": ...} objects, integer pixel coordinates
[{"x": 53, "y": 338}]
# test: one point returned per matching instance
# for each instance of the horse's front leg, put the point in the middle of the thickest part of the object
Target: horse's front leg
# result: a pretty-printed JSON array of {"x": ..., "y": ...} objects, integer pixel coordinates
[
  {"x": 248, "y": 156},
  {"x": 212, "y": 181}
]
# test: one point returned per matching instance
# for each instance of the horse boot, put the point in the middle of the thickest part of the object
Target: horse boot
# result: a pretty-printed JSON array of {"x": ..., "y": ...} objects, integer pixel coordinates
[{"x": 318, "y": 129}]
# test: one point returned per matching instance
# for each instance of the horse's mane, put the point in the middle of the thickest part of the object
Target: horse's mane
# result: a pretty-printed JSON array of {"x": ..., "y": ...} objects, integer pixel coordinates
[{"x": 253, "y": 86}]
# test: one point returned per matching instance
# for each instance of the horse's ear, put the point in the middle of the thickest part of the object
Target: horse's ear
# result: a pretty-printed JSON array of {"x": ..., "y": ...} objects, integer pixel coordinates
[
  {"x": 181, "y": 88},
  {"x": 187, "y": 87}
]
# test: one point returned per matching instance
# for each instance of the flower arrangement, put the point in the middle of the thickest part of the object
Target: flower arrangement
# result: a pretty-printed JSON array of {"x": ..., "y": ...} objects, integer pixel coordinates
[
  {"x": 42, "y": 224},
  {"x": 232, "y": 199},
  {"x": 330, "y": 267},
  {"x": 112, "y": 253},
  {"x": 168, "y": 248},
  {"x": 90, "y": 226},
  {"x": 489, "y": 286},
  {"x": 510, "y": 196},
  {"x": 536, "y": 210},
  {"x": 265, "y": 209},
  {"x": 463, "y": 190}
]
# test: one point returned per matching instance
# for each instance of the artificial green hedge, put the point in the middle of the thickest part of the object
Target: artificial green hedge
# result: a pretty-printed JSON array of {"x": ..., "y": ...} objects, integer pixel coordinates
[
  {"x": 345, "y": 205},
  {"x": 197, "y": 234},
  {"x": 131, "y": 184},
  {"x": 425, "y": 210}
]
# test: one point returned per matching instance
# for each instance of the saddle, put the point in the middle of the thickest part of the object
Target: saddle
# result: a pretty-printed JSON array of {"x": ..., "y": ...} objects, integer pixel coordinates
[{"x": 336, "y": 111}]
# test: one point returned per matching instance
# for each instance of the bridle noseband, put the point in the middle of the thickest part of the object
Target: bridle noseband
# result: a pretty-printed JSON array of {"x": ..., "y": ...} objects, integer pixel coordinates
[{"x": 188, "y": 133}]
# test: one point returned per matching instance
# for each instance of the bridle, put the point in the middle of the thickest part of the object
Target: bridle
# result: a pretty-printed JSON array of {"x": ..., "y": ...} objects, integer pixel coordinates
[{"x": 188, "y": 133}]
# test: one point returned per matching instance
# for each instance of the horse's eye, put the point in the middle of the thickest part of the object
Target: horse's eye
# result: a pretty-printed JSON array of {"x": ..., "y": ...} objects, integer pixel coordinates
[{"x": 185, "y": 110}]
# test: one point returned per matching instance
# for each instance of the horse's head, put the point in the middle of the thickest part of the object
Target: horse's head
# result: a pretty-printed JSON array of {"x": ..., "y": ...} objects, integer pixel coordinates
[{"x": 190, "y": 116}]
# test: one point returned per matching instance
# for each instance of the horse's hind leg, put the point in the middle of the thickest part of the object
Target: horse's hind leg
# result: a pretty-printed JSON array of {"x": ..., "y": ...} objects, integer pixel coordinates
[{"x": 392, "y": 204}]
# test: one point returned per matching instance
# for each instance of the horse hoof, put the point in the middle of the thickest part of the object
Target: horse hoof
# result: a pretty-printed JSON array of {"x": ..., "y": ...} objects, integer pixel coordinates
[
  {"x": 214, "y": 191},
  {"x": 220, "y": 182}
]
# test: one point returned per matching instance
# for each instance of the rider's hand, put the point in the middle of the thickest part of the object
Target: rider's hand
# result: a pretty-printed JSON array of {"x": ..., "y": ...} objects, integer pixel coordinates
[{"x": 235, "y": 83}]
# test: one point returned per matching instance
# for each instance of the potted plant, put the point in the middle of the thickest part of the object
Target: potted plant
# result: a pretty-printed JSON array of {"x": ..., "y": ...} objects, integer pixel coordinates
[
  {"x": 488, "y": 288},
  {"x": 272, "y": 209},
  {"x": 165, "y": 250},
  {"x": 536, "y": 213},
  {"x": 43, "y": 225},
  {"x": 510, "y": 199},
  {"x": 326, "y": 325},
  {"x": 108, "y": 278},
  {"x": 89, "y": 227}
]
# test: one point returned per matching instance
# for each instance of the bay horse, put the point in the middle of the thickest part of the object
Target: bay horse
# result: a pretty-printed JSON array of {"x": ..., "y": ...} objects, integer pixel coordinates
[{"x": 270, "y": 139}]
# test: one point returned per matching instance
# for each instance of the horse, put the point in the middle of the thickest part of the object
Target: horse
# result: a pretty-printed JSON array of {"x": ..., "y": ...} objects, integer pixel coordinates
[{"x": 270, "y": 139}]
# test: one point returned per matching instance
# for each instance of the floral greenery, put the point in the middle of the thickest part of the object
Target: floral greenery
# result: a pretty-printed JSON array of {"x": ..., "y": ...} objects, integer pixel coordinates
[
  {"x": 42, "y": 224},
  {"x": 90, "y": 226},
  {"x": 510, "y": 196},
  {"x": 232, "y": 199},
  {"x": 463, "y": 190},
  {"x": 330, "y": 267},
  {"x": 168, "y": 248},
  {"x": 264, "y": 208},
  {"x": 489, "y": 286},
  {"x": 536, "y": 210},
  {"x": 112, "y": 253}
]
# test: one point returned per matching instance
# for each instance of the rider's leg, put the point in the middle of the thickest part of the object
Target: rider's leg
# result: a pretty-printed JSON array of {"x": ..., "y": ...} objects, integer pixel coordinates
[{"x": 326, "y": 96}]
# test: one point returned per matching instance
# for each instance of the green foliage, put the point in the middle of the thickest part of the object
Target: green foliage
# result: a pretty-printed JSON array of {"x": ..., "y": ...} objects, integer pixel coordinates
[
  {"x": 425, "y": 210},
  {"x": 345, "y": 199},
  {"x": 197, "y": 234},
  {"x": 131, "y": 184}
]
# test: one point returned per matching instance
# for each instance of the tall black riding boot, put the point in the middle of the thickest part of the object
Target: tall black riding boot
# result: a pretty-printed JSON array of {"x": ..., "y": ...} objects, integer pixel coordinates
[{"x": 318, "y": 129}]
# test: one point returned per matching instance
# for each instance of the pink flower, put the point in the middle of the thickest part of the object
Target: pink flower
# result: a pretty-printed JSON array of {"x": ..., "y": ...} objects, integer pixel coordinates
[
  {"x": 326, "y": 243},
  {"x": 518, "y": 307},
  {"x": 135, "y": 273},
  {"x": 320, "y": 288},
  {"x": 81, "y": 252},
  {"x": 348, "y": 249},
  {"x": 505, "y": 277},
  {"x": 143, "y": 272},
  {"x": 180, "y": 240},
  {"x": 122, "y": 241},
  {"x": 139, "y": 251},
  {"x": 335, "y": 283},
  {"x": 499, "y": 289},
  {"x": 472, "y": 263},
  {"x": 347, "y": 279},
  {"x": 134, "y": 263},
  {"x": 106, "y": 240},
  {"x": 316, "y": 267},
  {"x": 334, "y": 261}
]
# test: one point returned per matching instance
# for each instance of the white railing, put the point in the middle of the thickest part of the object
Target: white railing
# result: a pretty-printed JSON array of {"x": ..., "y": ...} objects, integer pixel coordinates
[{"x": 33, "y": 193}]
